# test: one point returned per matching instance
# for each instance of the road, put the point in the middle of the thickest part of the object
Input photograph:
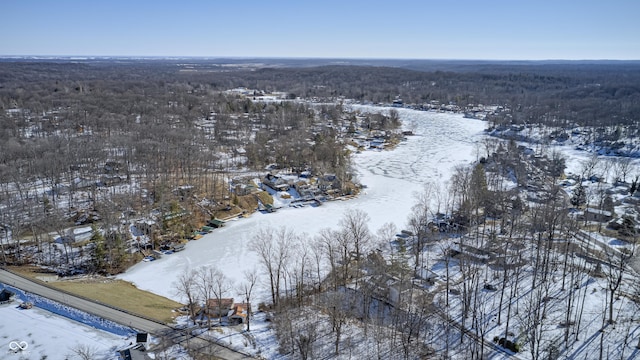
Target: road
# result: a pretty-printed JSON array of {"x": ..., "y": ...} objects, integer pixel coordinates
[{"x": 173, "y": 335}]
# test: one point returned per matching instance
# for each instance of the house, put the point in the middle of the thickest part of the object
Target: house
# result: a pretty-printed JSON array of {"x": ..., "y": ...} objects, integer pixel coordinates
[
  {"x": 240, "y": 313},
  {"x": 109, "y": 180},
  {"x": 591, "y": 214},
  {"x": 111, "y": 167},
  {"x": 146, "y": 227},
  {"x": 75, "y": 235},
  {"x": 218, "y": 308},
  {"x": 275, "y": 182}
]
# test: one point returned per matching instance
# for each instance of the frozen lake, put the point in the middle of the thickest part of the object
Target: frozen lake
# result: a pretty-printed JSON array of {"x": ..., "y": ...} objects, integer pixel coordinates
[{"x": 441, "y": 142}]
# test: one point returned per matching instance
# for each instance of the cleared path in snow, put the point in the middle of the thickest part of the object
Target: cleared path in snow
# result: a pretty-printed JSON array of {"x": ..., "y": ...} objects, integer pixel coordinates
[{"x": 176, "y": 336}]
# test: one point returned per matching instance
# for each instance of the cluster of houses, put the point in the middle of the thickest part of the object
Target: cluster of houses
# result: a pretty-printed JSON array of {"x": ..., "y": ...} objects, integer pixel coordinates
[
  {"x": 308, "y": 188},
  {"x": 374, "y": 140}
]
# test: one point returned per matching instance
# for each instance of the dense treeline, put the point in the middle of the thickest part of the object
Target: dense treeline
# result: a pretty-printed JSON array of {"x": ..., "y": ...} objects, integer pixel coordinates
[{"x": 589, "y": 94}]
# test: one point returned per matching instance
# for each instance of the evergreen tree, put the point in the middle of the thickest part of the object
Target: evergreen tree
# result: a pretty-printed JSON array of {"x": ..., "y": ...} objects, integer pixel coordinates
[
  {"x": 634, "y": 185},
  {"x": 99, "y": 251},
  {"x": 579, "y": 197},
  {"x": 628, "y": 227}
]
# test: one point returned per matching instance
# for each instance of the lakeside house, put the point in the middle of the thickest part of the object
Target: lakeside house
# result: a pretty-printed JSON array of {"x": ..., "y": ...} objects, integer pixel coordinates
[{"x": 218, "y": 307}]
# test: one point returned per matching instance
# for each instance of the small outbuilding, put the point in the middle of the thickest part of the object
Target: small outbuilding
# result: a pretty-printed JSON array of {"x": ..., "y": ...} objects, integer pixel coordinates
[
  {"x": 216, "y": 223},
  {"x": 591, "y": 214}
]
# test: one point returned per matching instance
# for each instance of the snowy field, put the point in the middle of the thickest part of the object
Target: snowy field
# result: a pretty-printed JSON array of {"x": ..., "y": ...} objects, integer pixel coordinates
[
  {"x": 37, "y": 333},
  {"x": 392, "y": 179}
]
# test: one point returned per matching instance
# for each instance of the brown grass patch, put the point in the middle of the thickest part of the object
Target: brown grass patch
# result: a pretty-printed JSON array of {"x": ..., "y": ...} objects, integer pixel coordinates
[
  {"x": 248, "y": 203},
  {"x": 264, "y": 197},
  {"x": 123, "y": 295},
  {"x": 118, "y": 293}
]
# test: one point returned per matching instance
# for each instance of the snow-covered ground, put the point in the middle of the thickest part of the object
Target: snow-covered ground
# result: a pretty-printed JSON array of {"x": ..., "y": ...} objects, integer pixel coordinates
[
  {"x": 392, "y": 179},
  {"x": 38, "y": 333}
]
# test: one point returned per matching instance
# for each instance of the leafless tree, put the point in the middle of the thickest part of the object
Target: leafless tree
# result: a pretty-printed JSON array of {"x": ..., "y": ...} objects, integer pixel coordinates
[
  {"x": 212, "y": 284},
  {"x": 615, "y": 269},
  {"x": 84, "y": 352},
  {"x": 327, "y": 238},
  {"x": 186, "y": 287},
  {"x": 336, "y": 304},
  {"x": 250, "y": 280},
  {"x": 419, "y": 221},
  {"x": 590, "y": 166},
  {"x": 355, "y": 226},
  {"x": 385, "y": 234},
  {"x": 622, "y": 166},
  {"x": 273, "y": 247}
]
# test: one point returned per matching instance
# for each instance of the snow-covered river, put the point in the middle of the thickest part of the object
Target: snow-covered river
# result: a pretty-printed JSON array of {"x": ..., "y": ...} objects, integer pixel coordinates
[{"x": 392, "y": 178}]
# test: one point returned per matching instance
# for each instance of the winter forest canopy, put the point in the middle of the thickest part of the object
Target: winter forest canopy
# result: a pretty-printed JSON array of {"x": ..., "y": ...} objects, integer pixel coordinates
[{"x": 106, "y": 162}]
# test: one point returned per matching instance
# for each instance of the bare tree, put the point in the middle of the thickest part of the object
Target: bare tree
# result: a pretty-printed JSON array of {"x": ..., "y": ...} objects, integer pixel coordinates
[
  {"x": 318, "y": 260},
  {"x": 336, "y": 304},
  {"x": 622, "y": 166},
  {"x": 355, "y": 226},
  {"x": 328, "y": 240},
  {"x": 186, "y": 286},
  {"x": 419, "y": 220},
  {"x": 84, "y": 352},
  {"x": 616, "y": 264},
  {"x": 212, "y": 284},
  {"x": 590, "y": 166},
  {"x": 220, "y": 287},
  {"x": 273, "y": 247},
  {"x": 385, "y": 234},
  {"x": 250, "y": 280}
]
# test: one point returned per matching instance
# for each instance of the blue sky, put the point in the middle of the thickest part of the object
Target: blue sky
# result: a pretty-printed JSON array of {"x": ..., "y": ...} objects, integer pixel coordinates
[{"x": 462, "y": 29}]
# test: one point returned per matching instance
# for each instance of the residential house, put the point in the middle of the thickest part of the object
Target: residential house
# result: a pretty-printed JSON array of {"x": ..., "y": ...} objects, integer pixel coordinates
[
  {"x": 219, "y": 308},
  {"x": 275, "y": 182},
  {"x": 240, "y": 313}
]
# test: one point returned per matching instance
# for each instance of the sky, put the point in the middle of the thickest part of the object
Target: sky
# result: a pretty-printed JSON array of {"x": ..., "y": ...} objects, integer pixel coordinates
[{"x": 402, "y": 29}]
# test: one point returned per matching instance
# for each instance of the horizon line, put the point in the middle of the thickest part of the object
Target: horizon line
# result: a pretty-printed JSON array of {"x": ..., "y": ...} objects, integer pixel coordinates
[{"x": 205, "y": 57}]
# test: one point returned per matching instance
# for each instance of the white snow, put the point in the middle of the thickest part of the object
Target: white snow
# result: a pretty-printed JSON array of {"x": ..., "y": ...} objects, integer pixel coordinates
[{"x": 44, "y": 334}]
